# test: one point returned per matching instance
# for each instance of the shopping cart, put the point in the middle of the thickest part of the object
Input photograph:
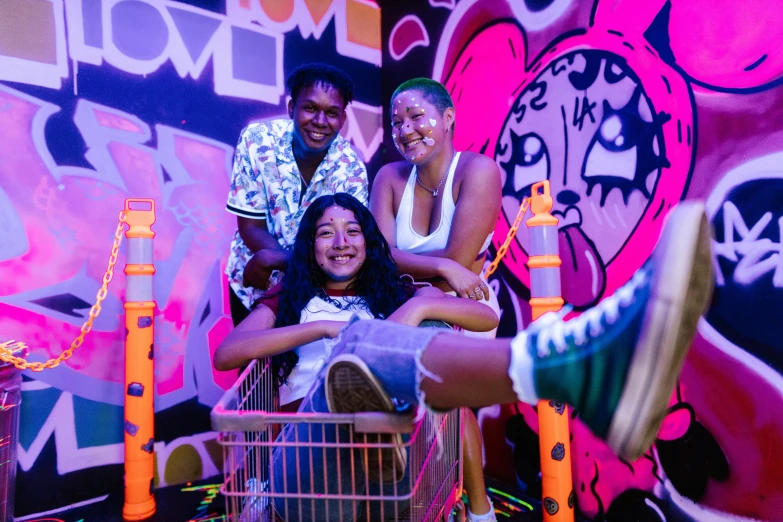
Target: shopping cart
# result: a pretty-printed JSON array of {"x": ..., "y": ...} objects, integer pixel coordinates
[{"x": 321, "y": 468}]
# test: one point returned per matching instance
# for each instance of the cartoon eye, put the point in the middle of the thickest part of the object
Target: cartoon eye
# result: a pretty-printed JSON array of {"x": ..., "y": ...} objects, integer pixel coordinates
[
  {"x": 530, "y": 161},
  {"x": 624, "y": 151},
  {"x": 613, "y": 151}
]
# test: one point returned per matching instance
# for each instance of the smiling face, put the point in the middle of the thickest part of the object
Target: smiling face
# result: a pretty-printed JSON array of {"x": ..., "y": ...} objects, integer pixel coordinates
[
  {"x": 586, "y": 125},
  {"x": 318, "y": 115},
  {"x": 419, "y": 129},
  {"x": 340, "y": 249}
]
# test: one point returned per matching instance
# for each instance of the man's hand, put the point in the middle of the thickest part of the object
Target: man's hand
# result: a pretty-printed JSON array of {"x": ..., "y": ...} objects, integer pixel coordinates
[{"x": 261, "y": 266}]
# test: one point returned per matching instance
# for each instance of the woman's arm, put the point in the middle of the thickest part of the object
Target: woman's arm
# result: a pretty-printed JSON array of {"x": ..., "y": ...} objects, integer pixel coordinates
[
  {"x": 256, "y": 338},
  {"x": 435, "y": 264},
  {"x": 431, "y": 303},
  {"x": 478, "y": 206}
]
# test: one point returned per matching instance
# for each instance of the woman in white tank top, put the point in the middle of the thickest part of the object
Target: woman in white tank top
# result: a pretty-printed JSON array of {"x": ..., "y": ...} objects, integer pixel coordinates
[{"x": 438, "y": 208}]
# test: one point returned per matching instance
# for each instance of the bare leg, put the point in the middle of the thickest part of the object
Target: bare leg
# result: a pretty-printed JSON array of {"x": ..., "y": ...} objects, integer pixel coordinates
[
  {"x": 474, "y": 469},
  {"x": 474, "y": 372}
]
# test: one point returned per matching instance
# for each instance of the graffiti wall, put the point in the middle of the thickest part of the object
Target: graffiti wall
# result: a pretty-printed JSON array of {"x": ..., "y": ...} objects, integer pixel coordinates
[
  {"x": 106, "y": 99},
  {"x": 627, "y": 108}
]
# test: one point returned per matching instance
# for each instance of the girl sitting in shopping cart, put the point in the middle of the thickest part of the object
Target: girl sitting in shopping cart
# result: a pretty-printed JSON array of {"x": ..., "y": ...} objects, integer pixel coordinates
[{"x": 341, "y": 268}]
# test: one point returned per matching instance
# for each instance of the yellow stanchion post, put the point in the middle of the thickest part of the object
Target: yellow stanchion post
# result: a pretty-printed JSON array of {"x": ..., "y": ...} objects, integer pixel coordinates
[
  {"x": 139, "y": 350},
  {"x": 546, "y": 296}
]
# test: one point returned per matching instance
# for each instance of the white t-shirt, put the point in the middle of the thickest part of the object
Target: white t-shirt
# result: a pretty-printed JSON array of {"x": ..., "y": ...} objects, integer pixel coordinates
[{"x": 313, "y": 355}]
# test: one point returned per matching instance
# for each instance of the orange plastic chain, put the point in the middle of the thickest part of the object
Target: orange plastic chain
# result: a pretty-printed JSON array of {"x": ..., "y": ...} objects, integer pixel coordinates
[
  {"x": 9, "y": 348},
  {"x": 510, "y": 237}
]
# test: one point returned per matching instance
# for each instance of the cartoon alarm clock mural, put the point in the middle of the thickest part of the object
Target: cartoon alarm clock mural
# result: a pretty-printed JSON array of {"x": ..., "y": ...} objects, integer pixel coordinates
[{"x": 605, "y": 110}]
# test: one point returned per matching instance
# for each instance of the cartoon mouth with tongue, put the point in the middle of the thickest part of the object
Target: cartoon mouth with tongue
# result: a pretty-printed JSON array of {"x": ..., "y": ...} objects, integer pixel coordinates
[{"x": 582, "y": 272}]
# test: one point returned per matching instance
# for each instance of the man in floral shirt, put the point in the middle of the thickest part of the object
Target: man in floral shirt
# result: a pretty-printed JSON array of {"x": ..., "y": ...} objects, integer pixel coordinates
[{"x": 280, "y": 167}]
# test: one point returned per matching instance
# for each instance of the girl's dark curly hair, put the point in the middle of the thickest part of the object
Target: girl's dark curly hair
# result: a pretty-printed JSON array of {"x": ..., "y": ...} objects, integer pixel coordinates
[{"x": 377, "y": 287}]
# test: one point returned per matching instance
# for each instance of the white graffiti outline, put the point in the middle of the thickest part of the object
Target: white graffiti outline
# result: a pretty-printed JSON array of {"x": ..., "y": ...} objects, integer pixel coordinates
[
  {"x": 365, "y": 148},
  {"x": 96, "y": 138},
  {"x": 764, "y": 371},
  {"x": 218, "y": 48},
  {"x": 418, "y": 43},
  {"x": 448, "y": 4},
  {"x": 70, "y": 457},
  {"x": 749, "y": 252},
  {"x": 446, "y": 35}
]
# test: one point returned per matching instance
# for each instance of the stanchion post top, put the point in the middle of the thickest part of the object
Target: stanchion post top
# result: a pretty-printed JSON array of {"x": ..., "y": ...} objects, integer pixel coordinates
[
  {"x": 139, "y": 215},
  {"x": 540, "y": 205}
]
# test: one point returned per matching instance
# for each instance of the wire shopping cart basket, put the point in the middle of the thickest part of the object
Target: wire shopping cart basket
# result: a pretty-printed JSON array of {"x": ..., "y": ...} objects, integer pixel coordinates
[{"x": 333, "y": 467}]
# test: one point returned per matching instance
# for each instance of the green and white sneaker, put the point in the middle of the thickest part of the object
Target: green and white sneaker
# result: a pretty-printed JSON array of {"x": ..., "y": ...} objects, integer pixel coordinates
[{"x": 618, "y": 363}]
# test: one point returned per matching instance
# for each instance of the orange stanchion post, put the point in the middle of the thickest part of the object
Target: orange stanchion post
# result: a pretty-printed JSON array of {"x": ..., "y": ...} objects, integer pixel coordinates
[
  {"x": 546, "y": 296},
  {"x": 139, "y": 377}
]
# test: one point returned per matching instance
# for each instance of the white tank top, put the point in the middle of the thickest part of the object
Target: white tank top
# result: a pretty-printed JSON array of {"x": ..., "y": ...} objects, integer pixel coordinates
[
  {"x": 313, "y": 355},
  {"x": 407, "y": 238}
]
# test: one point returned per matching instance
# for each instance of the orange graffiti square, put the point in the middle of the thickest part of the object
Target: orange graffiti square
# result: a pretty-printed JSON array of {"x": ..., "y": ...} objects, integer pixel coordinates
[
  {"x": 363, "y": 21},
  {"x": 277, "y": 10},
  {"x": 27, "y": 30},
  {"x": 317, "y": 9}
]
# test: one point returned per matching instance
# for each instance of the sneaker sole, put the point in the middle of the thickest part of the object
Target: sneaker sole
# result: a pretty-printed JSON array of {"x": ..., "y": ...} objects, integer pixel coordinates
[
  {"x": 352, "y": 388},
  {"x": 681, "y": 290}
]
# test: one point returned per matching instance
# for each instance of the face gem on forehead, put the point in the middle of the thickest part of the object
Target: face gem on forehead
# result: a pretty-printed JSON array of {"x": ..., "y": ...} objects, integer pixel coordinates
[
  {"x": 433, "y": 121},
  {"x": 428, "y": 141}
]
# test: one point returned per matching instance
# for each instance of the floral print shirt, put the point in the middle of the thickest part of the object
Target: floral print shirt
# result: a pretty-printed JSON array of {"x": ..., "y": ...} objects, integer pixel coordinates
[{"x": 266, "y": 184}]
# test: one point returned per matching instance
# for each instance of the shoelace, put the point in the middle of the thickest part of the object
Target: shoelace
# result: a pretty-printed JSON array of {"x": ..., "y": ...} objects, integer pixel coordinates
[{"x": 550, "y": 329}]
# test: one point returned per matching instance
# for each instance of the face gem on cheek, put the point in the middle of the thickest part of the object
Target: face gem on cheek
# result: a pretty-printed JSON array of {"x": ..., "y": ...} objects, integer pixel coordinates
[
  {"x": 413, "y": 158},
  {"x": 395, "y": 111},
  {"x": 433, "y": 122},
  {"x": 421, "y": 126},
  {"x": 428, "y": 141}
]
